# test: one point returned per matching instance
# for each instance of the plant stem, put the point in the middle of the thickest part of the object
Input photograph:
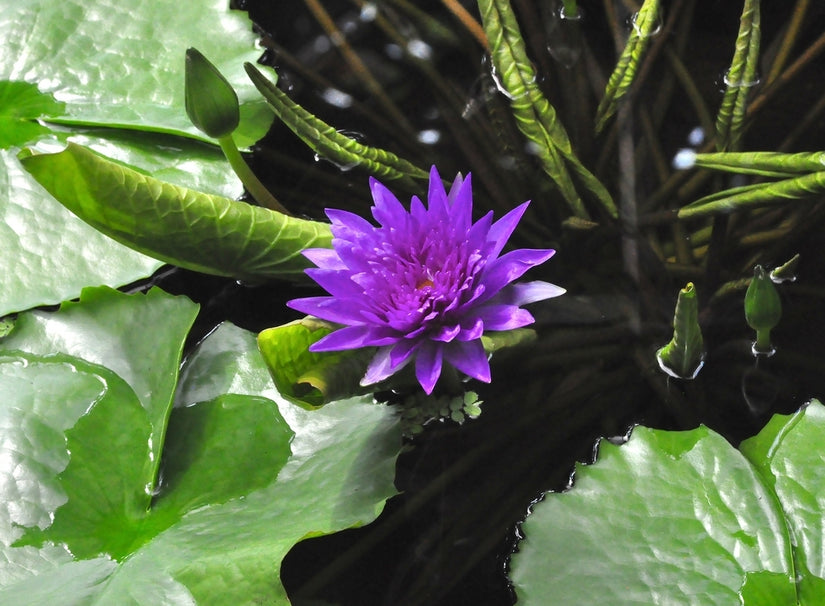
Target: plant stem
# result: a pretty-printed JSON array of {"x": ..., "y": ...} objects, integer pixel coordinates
[
  {"x": 763, "y": 341},
  {"x": 247, "y": 177}
]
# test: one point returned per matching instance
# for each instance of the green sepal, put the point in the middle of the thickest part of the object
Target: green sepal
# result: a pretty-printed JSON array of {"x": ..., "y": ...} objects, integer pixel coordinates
[
  {"x": 211, "y": 102},
  {"x": 683, "y": 357}
]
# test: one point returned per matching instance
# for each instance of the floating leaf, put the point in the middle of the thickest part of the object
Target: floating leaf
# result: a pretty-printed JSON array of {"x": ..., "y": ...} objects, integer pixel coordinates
[
  {"x": 115, "y": 73},
  {"x": 76, "y": 477},
  {"x": 328, "y": 142},
  {"x": 21, "y": 106},
  {"x": 740, "y": 78},
  {"x": 535, "y": 116},
  {"x": 645, "y": 22},
  {"x": 682, "y": 357},
  {"x": 187, "y": 228},
  {"x": 683, "y": 517}
]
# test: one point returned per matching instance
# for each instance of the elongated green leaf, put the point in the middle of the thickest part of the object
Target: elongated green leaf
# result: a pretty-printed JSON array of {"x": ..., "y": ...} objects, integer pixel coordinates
[
  {"x": 766, "y": 164},
  {"x": 682, "y": 356},
  {"x": 307, "y": 378},
  {"x": 756, "y": 196},
  {"x": 684, "y": 518},
  {"x": 645, "y": 22},
  {"x": 328, "y": 142},
  {"x": 78, "y": 453},
  {"x": 535, "y": 116},
  {"x": 740, "y": 78},
  {"x": 177, "y": 225}
]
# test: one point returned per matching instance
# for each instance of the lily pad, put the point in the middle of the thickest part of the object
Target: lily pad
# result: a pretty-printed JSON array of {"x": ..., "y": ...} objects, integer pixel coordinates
[
  {"x": 83, "y": 521},
  {"x": 90, "y": 64},
  {"x": 683, "y": 517}
]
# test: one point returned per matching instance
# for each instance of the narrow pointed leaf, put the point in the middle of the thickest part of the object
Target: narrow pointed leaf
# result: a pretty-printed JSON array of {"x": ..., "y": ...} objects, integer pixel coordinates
[
  {"x": 765, "y": 164},
  {"x": 756, "y": 196},
  {"x": 328, "y": 142},
  {"x": 740, "y": 78},
  {"x": 682, "y": 356},
  {"x": 187, "y": 228},
  {"x": 645, "y": 23},
  {"x": 535, "y": 116}
]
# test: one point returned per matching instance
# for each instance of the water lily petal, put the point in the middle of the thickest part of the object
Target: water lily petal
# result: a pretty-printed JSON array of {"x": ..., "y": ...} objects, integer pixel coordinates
[
  {"x": 354, "y": 337},
  {"x": 530, "y": 292},
  {"x": 388, "y": 210},
  {"x": 329, "y": 309},
  {"x": 325, "y": 258},
  {"x": 428, "y": 365},
  {"x": 502, "y": 229},
  {"x": 511, "y": 267},
  {"x": 470, "y": 358},
  {"x": 504, "y": 317}
]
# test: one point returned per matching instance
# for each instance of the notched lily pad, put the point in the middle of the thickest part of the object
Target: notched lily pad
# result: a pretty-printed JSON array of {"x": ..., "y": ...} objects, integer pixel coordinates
[{"x": 683, "y": 517}]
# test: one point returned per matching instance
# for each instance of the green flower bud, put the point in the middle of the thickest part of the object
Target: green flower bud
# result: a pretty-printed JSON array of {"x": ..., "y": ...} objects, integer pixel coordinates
[
  {"x": 763, "y": 308},
  {"x": 211, "y": 102},
  {"x": 684, "y": 356}
]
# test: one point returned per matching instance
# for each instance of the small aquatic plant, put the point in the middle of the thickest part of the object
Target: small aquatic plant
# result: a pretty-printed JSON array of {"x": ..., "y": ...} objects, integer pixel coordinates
[{"x": 425, "y": 284}]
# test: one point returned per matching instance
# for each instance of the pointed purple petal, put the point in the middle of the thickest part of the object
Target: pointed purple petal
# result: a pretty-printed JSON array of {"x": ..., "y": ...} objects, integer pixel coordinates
[
  {"x": 354, "y": 337},
  {"x": 446, "y": 333},
  {"x": 325, "y": 258},
  {"x": 511, "y": 266},
  {"x": 470, "y": 358},
  {"x": 388, "y": 211},
  {"x": 530, "y": 292},
  {"x": 336, "y": 282},
  {"x": 382, "y": 367},
  {"x": 436, "y": 196},
  {"x": 428, "y": 366},
  {"x": 502, "y": 229},
  {"x": 504, "y": 317},
  {"x": 329, "y": 309},
  {"x": 345, "y": 220},
  {"x": 461, "y": 198}
]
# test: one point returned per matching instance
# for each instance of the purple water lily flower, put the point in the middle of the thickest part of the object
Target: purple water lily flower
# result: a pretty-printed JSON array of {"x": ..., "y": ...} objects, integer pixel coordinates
[{"x": 423, "y": 285}]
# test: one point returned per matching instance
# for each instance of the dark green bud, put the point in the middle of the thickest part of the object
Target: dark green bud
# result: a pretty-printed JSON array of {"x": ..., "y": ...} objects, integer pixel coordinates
[
  {"x": 211, "y": 102},
  {"x": 763, "y": 309}
]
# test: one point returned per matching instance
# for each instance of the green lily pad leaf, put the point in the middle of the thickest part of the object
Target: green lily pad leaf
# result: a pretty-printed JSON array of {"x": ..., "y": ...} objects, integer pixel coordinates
[
  {"x": 181, "y": 226},
  {"x": 110, "y": 329},
  {"x": 683, "y": 517},
  {"x": 102, "y": 414},
  {"x": 311, "y": 379},
  {"x": 21, "y": 105},
  {"x": 117, "y": 67},
  {"x": 123, "y": 65},
  {"x": 84, "y": 524}
]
